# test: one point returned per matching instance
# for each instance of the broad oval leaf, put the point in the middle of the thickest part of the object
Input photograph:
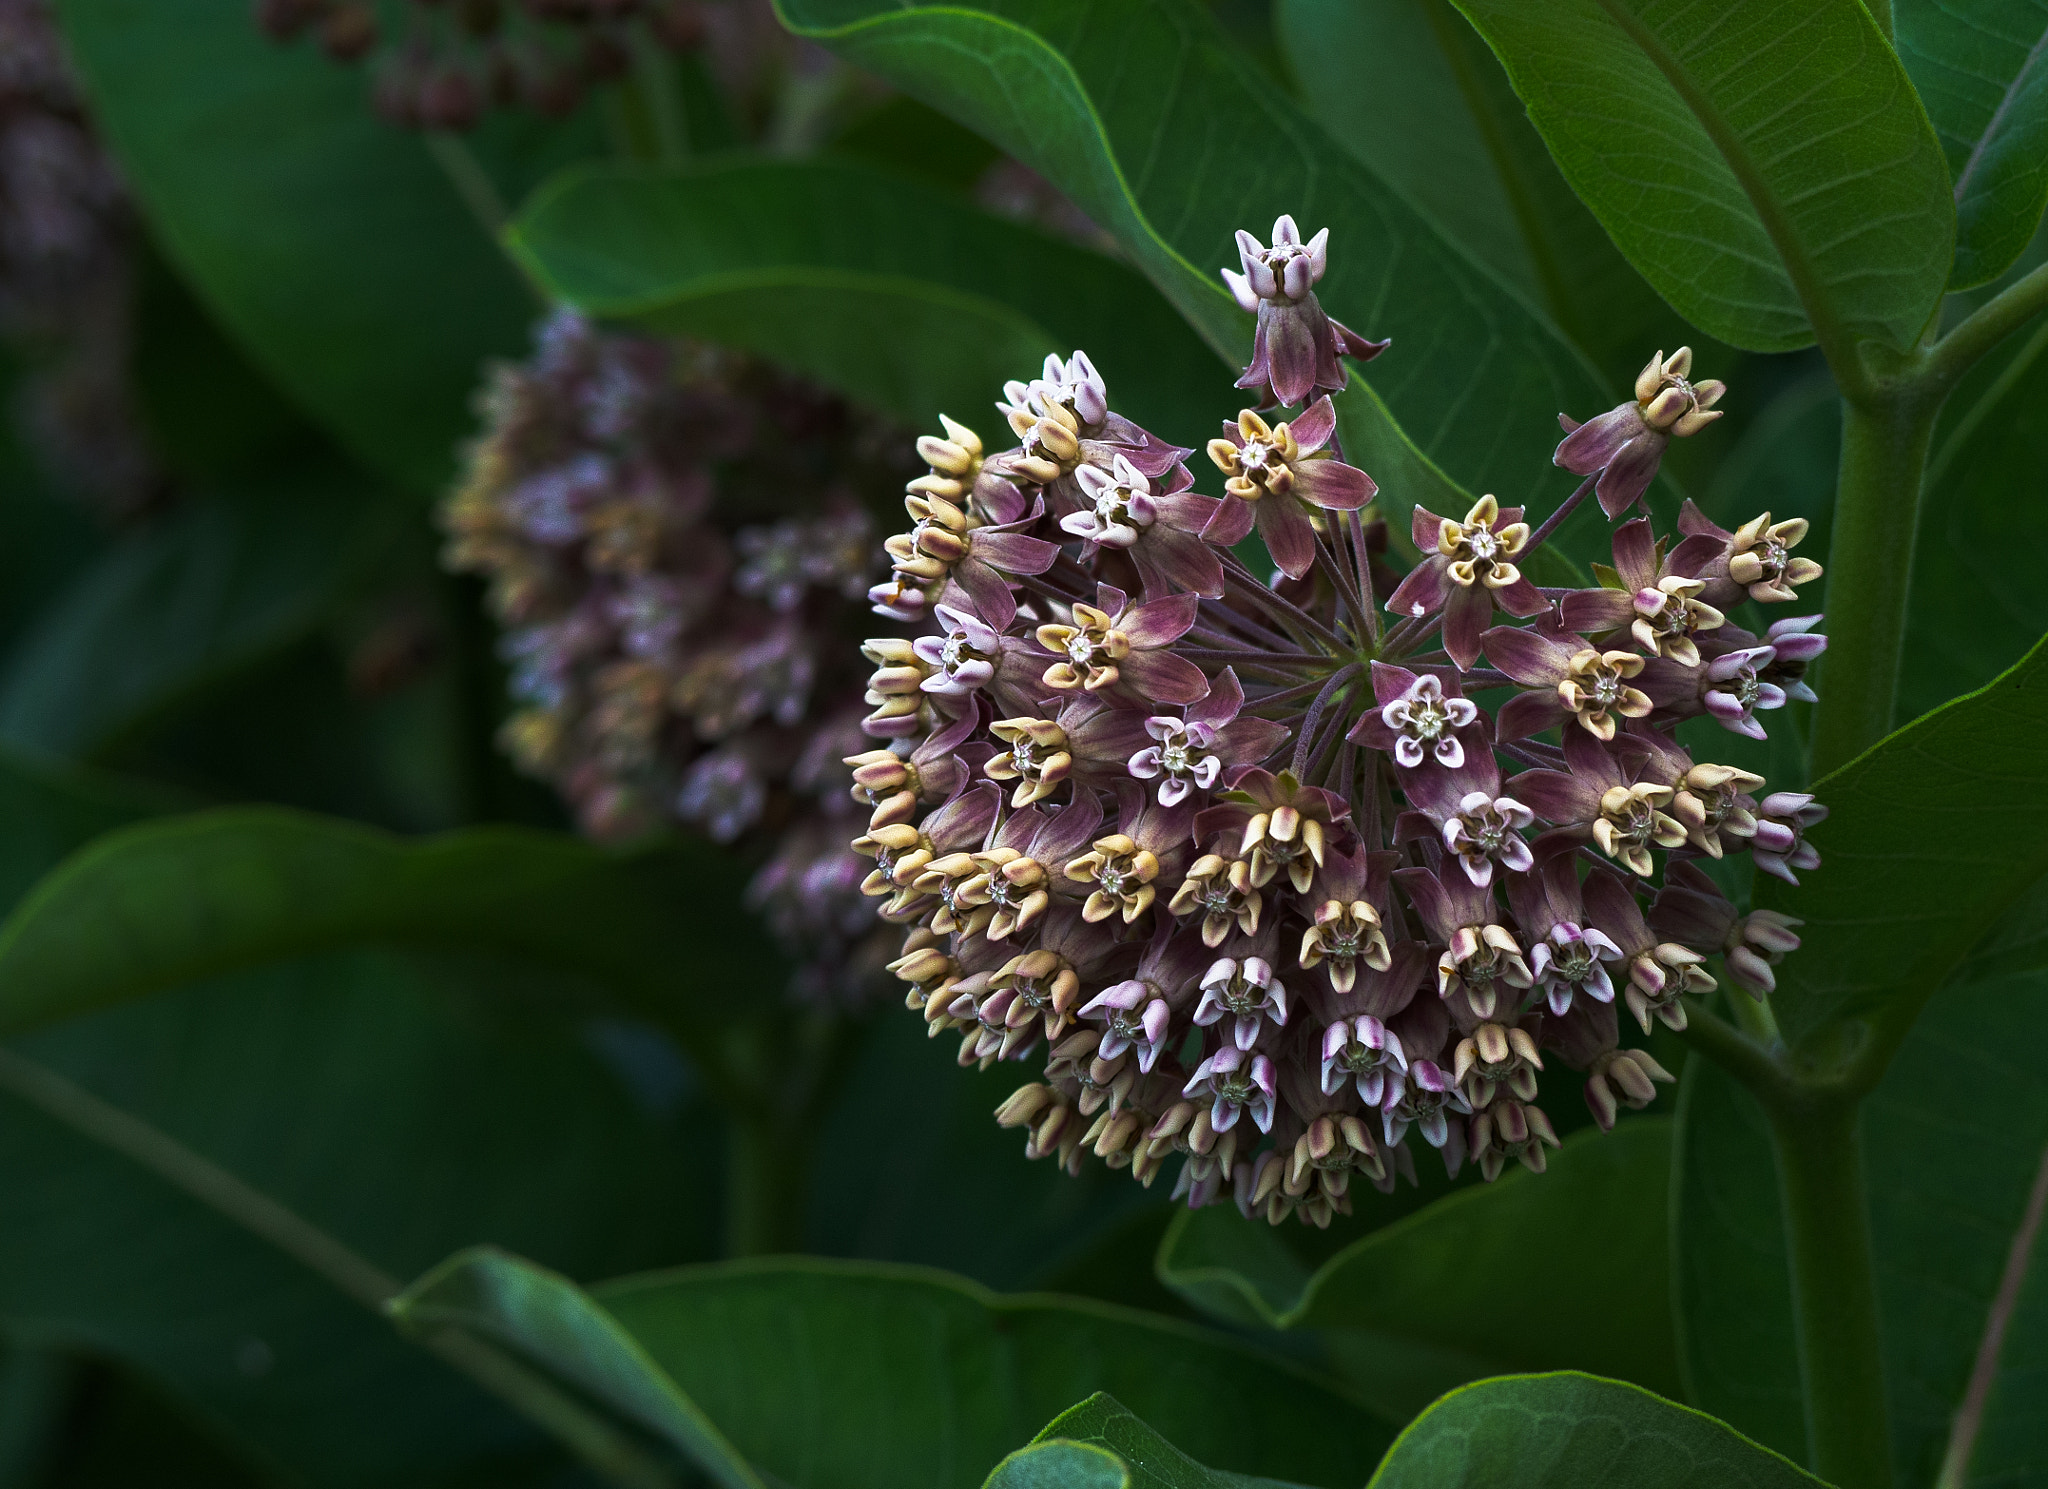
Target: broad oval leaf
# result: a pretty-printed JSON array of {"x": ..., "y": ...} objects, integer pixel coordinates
[
  {"x": 1398, "y": 1312},
  {"x": 1411, "y": 90},
  {"x": 186, "y": 603},
  {"x": 899, "y": 294},
  {"x": 1956, "y": 1145},
  {"x": 174, "y": 900},
  {"x": 1566, "y": 1431},
  {"x": 1765, "y": 164},
  {"x": 841, "y": 1375},
  {"x": 1932, "y": 834},
  {"x": 331, "y": 245},
  {"x": 1100, "y": 1444},
  {"x": 1980, "y": 68},
  {"x": 1166, "y": 133}
]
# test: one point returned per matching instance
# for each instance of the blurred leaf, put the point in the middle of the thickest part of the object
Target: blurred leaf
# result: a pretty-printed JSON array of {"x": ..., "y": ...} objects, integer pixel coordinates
[
  {"x": 405, "y": 1108},
  {"x": 1932, "y": 834},
  {"x": 1956, "y": 1138},
  {"x": 50, "y": 808},
  {"x": 1100, "y": 1445},
  {"x": 193, "y": 599},
  {"x": 167, "y": 902},
  {"x": 122, "y": 1433},
  {"x": 1408, "y": 88},
  {"x": 330, "y": 244},
  {"x": 903, "y": 134},
  {"x": 1978, "y": 67},
  {"x": 952, "y": 1189},
  {"x": 831, "y": 1375},
  {"x": 1398, "y": 1310},
  {"x": 895, "y": 292},
  {"x": 1166, "y": 133},
  {"x": 1761, "y": 223},
  {"x": 1565, "y": 1431}
]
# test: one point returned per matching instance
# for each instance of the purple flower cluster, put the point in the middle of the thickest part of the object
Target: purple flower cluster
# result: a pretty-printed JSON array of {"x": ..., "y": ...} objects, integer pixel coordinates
[
  {"x": 1244, "y": 862},
  {"x": 455, "y": 59},
  {"x": 677, "y": 545},
  {"x": 66, "y": 262}
]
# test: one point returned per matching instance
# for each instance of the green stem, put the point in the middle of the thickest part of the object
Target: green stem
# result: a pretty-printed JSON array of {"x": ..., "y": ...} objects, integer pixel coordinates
[
  {"x": 479, "y": 193},
  {"x": 1870, "y": 568},
  {"x": 765, "y": 1188},
  {"x": 1834, "y": 1290},
  {"x": 604, "y": 1447}
]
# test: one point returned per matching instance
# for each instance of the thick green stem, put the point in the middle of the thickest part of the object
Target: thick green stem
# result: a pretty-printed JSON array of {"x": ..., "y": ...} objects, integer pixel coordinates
[
  {"x": 1870, "y": 568},
  {"x": 1834, "y": 1290},
  {"x": 768, "y": 1158}
]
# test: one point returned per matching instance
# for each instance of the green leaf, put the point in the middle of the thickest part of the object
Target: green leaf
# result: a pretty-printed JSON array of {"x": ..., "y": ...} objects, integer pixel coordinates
[
  {"x": 1764, "y": 163},
  {"x": 186, "y": 603},
  {"x": 1932, "y": 834},
  {"x": 329, "y": 243},
  {"x": 1980, "y": 70},
  {"x": 1398, "y": 1312},
  {"x": 50, "y": 808},
  {"x": 1408, "y": 88},
  {"x": 895, "y": 292},
  {"x": 403, "y": 1106},
  {"x": 1956, "y": 1145},
  {"x": 167, "y": 902},
  {"x": 1166, "y": 134},
  {"x": 837, "y": 1375},
  {"x": 1100, "y": 1445},
  {"x": 551, "y": 1319},
  {"x": 1565, "y": 1431}
]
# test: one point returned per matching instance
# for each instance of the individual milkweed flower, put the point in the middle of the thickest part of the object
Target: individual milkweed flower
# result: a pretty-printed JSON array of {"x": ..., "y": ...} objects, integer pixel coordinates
[
  {"x": 1245, "y": 991},
  {"x": 1368, "y": 1054},
  {"x": 1510, "y": 1129},
  {"x": 1428, "y": 1102},
  {"x": 1621, "y": 1078},
  {"x": 1757, "y": 557},
  {"x": 1779, "y": 845},
  {"x": 1278, "y": 478},
  {"x": 1468, "y": 571},
  {"x": 1626, "y": 444},
  {"x": 1346, "y": 930},
  {"x": 1570, "y": 954},
  {"x": 1416, "y": 714},
  {"x": 1190, "y": 753},
  {"x": 1134, "y": 1017},
  {"x": 1285, "y": 825},
  {"x": 1234, "y": 1082},
  {"x": 1793, "y": 643},
  {"x": 1116, "y": 642},
  {"x": 1736, "y": 690},
  {"x": 1496, "y": 1055},
  {"x": 1154, "y": 522},
  {"x": 1296, "y": 345},
  {"x": 1691, "y": 909},
  {"x": 1660, "y": 973},
  {"x": 1615, "y": 799},
  {"x": 1481, "y": 958},
  {"x": 1568, "y": 679},
  {"x": 1654, "y": 596}
]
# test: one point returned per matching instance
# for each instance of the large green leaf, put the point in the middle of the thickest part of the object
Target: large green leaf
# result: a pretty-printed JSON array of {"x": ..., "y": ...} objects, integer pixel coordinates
[
  {"x": 167, "y": 902},
  {"x": 1933, "y": 833},
  {"x": 403, "y": 1106},
  {"x": 1396, "y": 1308},
  {"x": 1407, "y": 87},
  {"x": 1164, "y": 132},
  {"x": 1764, "y": 163},
  {"x": 1955, "y": 1141},
  {"x": 1566, "y": 1431},
  {"x": 330, "y": 244},
  {"x": 895, "y": 292},
  {"x": 828, "y": 1374},
  {"x": 1099, "y": 1444},
  {"x": 186, "y": 603},
  {"x": 49, "y": 808},
  {"x": 1979, "y": 68}
]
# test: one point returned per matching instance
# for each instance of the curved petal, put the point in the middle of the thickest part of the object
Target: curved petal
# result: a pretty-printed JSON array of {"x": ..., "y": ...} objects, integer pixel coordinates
[
  {"x": 1593, "y": 444},
  {"x": 1423, "y": 591},
  {"x": 1628, "y": 475},
  {"x": 1333, "y": 484},
  {"x": 1230, "y": 524},
  {"x": 1160, "y": 676},
  {"x": 1592, "y": 610},
  {"x": 1533, "y": 661},
  {"x": 1290, "y": 536},
  {"x": 1529, "y": 713},
  {"x": 1466, "y": 612},
  {"x": 1315, "y": 426},
  {"x": 1158, "y": 622}
]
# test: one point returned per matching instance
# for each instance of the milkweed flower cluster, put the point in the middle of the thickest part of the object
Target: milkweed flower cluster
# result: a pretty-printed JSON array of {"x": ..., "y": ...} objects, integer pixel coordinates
[
  {"x": 677, "y": 546},
  {"x": 452, "y": 61},
  {"x": 66, "y": 267},
  {"x": 1246, "y": 865}
]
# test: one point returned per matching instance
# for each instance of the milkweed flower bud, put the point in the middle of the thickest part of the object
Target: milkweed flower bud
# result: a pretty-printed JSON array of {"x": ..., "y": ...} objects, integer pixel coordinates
[
  {"x": 1625, "y": 445},
  {"x": 1198, "y": 842}
]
